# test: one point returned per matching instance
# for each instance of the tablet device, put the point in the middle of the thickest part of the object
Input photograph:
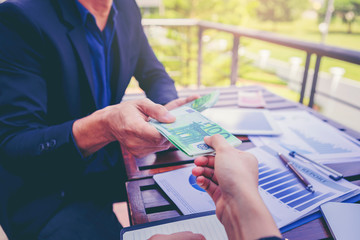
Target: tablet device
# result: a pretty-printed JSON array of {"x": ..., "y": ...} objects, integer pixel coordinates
[
  {"x": 343, "y": 219},
  {"x": 244, "y": 121}
]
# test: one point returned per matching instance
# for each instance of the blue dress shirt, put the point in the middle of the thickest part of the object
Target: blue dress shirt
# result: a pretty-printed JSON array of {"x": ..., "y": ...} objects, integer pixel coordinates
[{"x": 100, "y": 45}]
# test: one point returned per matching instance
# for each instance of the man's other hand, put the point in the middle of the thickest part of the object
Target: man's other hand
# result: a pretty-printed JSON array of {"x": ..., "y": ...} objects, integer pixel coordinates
[
  {"x": 128, "y": 124},
  {"x": 180, "y": 101}
]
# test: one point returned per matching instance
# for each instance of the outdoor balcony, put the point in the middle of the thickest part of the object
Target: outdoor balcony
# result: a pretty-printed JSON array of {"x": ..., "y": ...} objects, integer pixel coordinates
[{"x": 200, "y": 54}]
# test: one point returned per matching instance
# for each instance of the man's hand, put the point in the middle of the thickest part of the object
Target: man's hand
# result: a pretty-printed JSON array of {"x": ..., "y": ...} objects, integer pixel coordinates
[
  {"x": 127, "y": 123},
  {"x": 180, "y": 101},
  {"x": 178, "y": 236}
]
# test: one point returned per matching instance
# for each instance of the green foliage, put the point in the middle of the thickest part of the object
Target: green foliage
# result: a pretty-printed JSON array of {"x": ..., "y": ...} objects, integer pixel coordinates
[
  {"x": 347, "y": 5},
  {"x": 347, "y": 10},
  {"x": 280, "y": 10},
  {"x": 222, "y": 11},
  {"x": 176, "y": 48},
  {"x": 180, "y": 54},
  {"x": 252, "y": 73}
]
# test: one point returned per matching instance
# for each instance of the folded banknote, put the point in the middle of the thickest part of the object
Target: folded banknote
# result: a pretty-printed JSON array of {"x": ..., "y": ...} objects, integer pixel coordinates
[
  {"x": 204, "y": 102},
  {"x": 188, "y": 131}
]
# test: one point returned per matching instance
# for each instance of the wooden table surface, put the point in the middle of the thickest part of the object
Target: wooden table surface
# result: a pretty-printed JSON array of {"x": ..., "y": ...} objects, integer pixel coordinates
[{"x": 147, "y": 202}]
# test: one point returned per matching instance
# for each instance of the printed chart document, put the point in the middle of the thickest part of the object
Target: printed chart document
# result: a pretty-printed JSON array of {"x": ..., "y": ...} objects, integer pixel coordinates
[
  {"x": 284, "y": 195},
  {"x": 309, "y": 136},
  {"x": 244, "y": 121},
  {"x": 180, "y": 185},
  {"x": 209, "y": 226}
]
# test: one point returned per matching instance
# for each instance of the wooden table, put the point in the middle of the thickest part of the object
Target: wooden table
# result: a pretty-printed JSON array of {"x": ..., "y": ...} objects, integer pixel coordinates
[{"x": 147, "y": 202}]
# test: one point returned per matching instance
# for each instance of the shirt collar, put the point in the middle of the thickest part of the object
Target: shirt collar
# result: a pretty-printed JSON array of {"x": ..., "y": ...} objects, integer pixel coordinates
[{"x": 84, "y": 13}]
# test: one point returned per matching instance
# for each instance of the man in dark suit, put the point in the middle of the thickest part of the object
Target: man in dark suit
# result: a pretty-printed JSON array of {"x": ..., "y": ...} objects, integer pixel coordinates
[{"x": 64, "y": 68}]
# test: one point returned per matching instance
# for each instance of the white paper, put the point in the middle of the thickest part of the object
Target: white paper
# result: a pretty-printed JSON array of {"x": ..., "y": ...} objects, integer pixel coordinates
[
  {"x": 180, "y": 185},
  {"x": 209, "y": 226},
  {"x": 309, "y": 136},
  {"x": 285, "y": 196},
  {"x": 244, "y": 121}
]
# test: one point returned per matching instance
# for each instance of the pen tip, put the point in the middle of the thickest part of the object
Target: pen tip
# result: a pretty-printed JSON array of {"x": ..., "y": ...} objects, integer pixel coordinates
[
  {"x": 292, "y": 153},
  {"x": 311, "y": 189}
]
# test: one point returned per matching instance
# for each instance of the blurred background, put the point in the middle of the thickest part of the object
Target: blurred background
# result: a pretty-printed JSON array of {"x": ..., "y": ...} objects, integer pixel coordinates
[
  {"x": 197, "y": 41},
  {"x": 280, "y": 44}
]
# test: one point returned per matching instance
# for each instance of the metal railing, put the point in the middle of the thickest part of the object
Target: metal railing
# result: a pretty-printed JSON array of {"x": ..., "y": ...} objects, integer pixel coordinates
[{"x": 318, "y": 49}]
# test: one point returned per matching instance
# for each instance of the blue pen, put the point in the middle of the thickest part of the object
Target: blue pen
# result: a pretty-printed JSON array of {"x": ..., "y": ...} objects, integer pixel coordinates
[{"x": 334, "y": 175}]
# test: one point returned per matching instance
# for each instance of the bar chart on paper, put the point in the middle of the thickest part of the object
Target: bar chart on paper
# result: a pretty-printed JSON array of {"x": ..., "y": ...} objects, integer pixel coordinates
[
  {"x": 309, "y": 136},
  {"x": 318, "y": 143},
  {"x": 284, "y": 186},
  {"x": 285, "y": 196}
]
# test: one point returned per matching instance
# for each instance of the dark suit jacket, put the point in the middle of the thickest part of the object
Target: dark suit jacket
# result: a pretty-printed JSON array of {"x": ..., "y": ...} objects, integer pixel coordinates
[{"x": 45, "y": 85}]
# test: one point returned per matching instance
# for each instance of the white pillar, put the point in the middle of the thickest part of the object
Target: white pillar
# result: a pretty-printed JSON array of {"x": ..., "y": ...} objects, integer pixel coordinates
[
  {"x": 242, "y": 51},
  {"x": 264, "y": 57},
  {"x": 293, "y": 77},
  {"x": 337, "y": 73},
  {"x": 294, "y": 68}
]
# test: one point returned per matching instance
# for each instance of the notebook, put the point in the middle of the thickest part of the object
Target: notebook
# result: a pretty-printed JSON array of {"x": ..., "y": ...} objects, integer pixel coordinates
[
  {"x": 343, "y": 219},
  {"x": 205, "y": 223}
]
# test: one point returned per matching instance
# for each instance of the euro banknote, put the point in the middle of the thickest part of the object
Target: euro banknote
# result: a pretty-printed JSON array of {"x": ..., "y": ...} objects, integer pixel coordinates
[
  {"x": 204, "y": 102},
  {"x": 188, "y": 131}
]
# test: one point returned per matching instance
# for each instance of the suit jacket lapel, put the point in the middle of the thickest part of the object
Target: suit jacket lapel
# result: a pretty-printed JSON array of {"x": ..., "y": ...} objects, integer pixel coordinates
[
  {"x": 122, "y": 62},
  {"x": 77, "y": 36}
]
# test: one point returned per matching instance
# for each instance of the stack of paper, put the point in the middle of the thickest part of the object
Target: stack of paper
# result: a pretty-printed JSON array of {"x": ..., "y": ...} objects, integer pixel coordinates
[{"x": 309, "y": 136}]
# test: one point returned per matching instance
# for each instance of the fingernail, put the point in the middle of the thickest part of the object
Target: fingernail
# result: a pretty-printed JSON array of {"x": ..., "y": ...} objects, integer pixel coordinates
[
  {"x": 168, "y": 117},
  {"x": 206, "y": 138}
]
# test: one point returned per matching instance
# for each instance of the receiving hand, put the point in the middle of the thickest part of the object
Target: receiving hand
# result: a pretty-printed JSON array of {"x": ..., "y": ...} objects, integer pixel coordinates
[
  {"x": 230, "y": 173},
  {"x": 231, "y": 179},
  {"x": 178, "y": 236}
]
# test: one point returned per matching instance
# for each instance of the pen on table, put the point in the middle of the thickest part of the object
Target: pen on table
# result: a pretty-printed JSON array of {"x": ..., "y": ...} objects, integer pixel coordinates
[
  {"x": 289, "y": 164},
  {"x": 334, "y": 175}
]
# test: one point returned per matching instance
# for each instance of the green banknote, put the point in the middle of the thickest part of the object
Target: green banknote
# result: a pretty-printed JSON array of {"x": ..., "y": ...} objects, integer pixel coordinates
[
  {"x": 188, "y": 131},
  {"x": 204, "y": 102}
]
